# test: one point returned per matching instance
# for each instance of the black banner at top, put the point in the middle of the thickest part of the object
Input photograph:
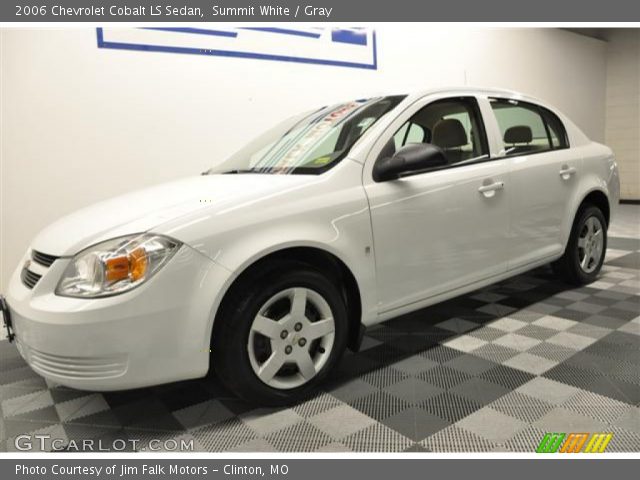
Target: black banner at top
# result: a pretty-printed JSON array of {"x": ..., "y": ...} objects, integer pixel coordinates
[{"x": 319, "y": 10}]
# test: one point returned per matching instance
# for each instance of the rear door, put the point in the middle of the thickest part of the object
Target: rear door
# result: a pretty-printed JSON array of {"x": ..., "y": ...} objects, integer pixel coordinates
[{"x": 542, "y": 171}]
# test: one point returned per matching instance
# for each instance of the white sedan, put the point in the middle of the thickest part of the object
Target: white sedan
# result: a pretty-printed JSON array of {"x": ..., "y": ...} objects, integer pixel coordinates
[{"x": 273, "y": 262}]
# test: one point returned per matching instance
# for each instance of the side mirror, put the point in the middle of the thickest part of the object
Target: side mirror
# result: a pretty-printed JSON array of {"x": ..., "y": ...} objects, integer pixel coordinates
[{"x": 410, "y": 158}]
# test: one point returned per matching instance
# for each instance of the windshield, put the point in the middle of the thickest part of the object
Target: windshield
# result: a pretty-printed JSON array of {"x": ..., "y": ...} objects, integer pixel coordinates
[{"x": 310, "y": 143}]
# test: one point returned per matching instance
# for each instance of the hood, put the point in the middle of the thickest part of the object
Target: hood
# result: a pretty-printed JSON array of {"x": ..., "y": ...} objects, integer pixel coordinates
[{"x": 146, "y": 209}]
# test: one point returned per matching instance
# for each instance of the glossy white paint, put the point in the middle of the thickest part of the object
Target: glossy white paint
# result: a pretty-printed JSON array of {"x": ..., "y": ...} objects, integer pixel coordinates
[
  {"x": 438, "y": 223},
  {"x": 150, "y": 335},
  {"x": 409, "y": 243}
]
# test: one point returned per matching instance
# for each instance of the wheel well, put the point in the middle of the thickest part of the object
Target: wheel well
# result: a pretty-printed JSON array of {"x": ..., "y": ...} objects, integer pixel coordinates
[
  {"x": 326, "y": 263},
  {"x": 600, "y": 200}
]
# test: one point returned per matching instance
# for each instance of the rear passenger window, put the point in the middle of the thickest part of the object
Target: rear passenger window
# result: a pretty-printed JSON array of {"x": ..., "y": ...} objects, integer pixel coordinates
[
  {"x": 527, "y": 128},
  {"x": 556, "y": 129}
]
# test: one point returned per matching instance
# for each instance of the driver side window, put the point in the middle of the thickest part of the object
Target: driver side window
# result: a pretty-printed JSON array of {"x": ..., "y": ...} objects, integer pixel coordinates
[
  {"x": 410, "y": 133},
  {"x": 452, "y": 124}
]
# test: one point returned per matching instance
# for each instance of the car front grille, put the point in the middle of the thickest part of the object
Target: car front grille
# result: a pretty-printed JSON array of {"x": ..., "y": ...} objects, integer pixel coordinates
[
  {"x": 28, "y": 276},
  {"x": 42, "y": 258}
]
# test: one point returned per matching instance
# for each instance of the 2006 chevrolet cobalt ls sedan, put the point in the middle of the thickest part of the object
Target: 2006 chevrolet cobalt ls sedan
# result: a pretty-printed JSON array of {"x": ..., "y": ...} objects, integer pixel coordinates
[{"x": 271, "y": 264}]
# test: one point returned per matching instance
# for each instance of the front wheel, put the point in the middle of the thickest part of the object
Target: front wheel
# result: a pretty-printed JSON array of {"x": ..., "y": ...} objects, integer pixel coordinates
[
  {"x": 585, "y": 252},
  {"x": 280, "y": 335}
]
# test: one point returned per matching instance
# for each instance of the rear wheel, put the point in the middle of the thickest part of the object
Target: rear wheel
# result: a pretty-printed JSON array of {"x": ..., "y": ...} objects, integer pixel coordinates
[
  {"x": 585, "y": 252},
  {"x": 280, "y": 335}
]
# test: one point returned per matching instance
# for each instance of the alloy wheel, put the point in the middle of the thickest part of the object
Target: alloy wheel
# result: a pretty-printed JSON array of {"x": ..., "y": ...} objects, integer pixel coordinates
[
  {"x": 291, "y": 338},
  {"x": 590, "y": 244}
]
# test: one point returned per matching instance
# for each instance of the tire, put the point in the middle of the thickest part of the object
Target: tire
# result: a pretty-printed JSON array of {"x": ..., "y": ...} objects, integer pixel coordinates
[
  {"x": 243, "y": 344},
  {"x": 572, "y": 266}
]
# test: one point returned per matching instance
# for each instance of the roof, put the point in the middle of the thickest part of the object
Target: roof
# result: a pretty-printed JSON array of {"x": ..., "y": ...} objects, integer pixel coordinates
[{"x": 475, "y": 91}]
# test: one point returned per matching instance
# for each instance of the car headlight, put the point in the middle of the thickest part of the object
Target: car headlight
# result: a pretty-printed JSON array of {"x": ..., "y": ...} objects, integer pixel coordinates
[{"x": 115, "y": 266}]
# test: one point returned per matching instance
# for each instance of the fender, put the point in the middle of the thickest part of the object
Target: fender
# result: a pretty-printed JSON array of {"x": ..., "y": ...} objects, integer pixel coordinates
[
  {"x": 594, "y": 171},
  {"x": 365, "y": 283}
]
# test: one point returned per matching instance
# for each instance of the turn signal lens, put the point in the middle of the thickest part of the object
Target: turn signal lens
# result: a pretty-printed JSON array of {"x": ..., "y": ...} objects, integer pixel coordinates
[
  {"x": 132, "y": 266},
  {"x": 116, "y": 266},
  {"x": 138, "y": 264}
]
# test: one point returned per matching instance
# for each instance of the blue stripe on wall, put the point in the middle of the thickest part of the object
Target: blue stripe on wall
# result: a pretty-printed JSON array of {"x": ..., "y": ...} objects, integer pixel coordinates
[
  {"x": 284, "y": 31},
  {"x": 349, "y": 36},
  {"x": 196, "y": 31},
  {"x": 236, "y": 54}
]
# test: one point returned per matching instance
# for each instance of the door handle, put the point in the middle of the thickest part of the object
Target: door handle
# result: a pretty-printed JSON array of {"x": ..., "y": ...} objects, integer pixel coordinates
[
  {"x": 566, "y": 172},
  {"x": 490, "y": 190}
]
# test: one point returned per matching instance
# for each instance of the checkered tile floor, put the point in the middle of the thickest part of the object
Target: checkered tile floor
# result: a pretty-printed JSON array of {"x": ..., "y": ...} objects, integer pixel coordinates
[{"x": 490, "y": 371}]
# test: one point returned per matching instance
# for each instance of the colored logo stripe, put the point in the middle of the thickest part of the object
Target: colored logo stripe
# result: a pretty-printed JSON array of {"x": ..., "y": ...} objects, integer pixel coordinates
[
  {"x": 574, "y": 442},
  {"x": 550, "y": 443},
  {"x": 598, "y": 442}
]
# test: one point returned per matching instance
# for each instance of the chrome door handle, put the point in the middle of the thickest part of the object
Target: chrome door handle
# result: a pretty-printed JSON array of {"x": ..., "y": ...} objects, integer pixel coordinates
[
  {"x": 492, "y": 187},
  {"x": 567, "y": 171}
]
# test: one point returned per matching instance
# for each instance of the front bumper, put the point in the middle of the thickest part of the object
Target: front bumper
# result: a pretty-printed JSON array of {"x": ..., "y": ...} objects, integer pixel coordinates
[{"x": 156, "y": 333}]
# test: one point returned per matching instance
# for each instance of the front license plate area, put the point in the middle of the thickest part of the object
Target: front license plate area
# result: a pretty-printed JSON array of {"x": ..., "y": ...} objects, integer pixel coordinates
[{"x": 6, "y": 319}]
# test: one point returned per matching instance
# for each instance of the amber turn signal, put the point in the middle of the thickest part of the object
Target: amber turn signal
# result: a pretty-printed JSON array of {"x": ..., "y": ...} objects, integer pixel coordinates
[
  {"x": 138, "y": 263},
  {"x": 132, "y": 266}
]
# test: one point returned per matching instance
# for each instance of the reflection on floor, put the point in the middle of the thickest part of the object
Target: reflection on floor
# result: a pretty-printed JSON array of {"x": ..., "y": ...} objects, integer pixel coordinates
[
  {"x": 626, "y": 222},
  {"x": 490, "y": 371}
]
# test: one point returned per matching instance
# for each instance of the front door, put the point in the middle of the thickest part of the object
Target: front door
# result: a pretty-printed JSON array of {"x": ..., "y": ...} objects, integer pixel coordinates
[{"x": 439, "y": 230}]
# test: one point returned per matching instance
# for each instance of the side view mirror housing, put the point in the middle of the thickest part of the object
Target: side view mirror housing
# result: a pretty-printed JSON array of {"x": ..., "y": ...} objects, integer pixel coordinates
[{"x": 410, "y": 158}]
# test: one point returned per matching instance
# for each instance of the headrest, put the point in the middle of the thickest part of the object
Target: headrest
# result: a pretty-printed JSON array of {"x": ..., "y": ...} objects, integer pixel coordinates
[
  {"x": 449, "y": 133},
  {"x": 518, "y": 134}
]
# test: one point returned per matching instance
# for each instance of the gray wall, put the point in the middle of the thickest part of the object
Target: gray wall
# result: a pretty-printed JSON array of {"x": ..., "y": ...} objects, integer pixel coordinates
[{"x": 622, "y": 132}]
